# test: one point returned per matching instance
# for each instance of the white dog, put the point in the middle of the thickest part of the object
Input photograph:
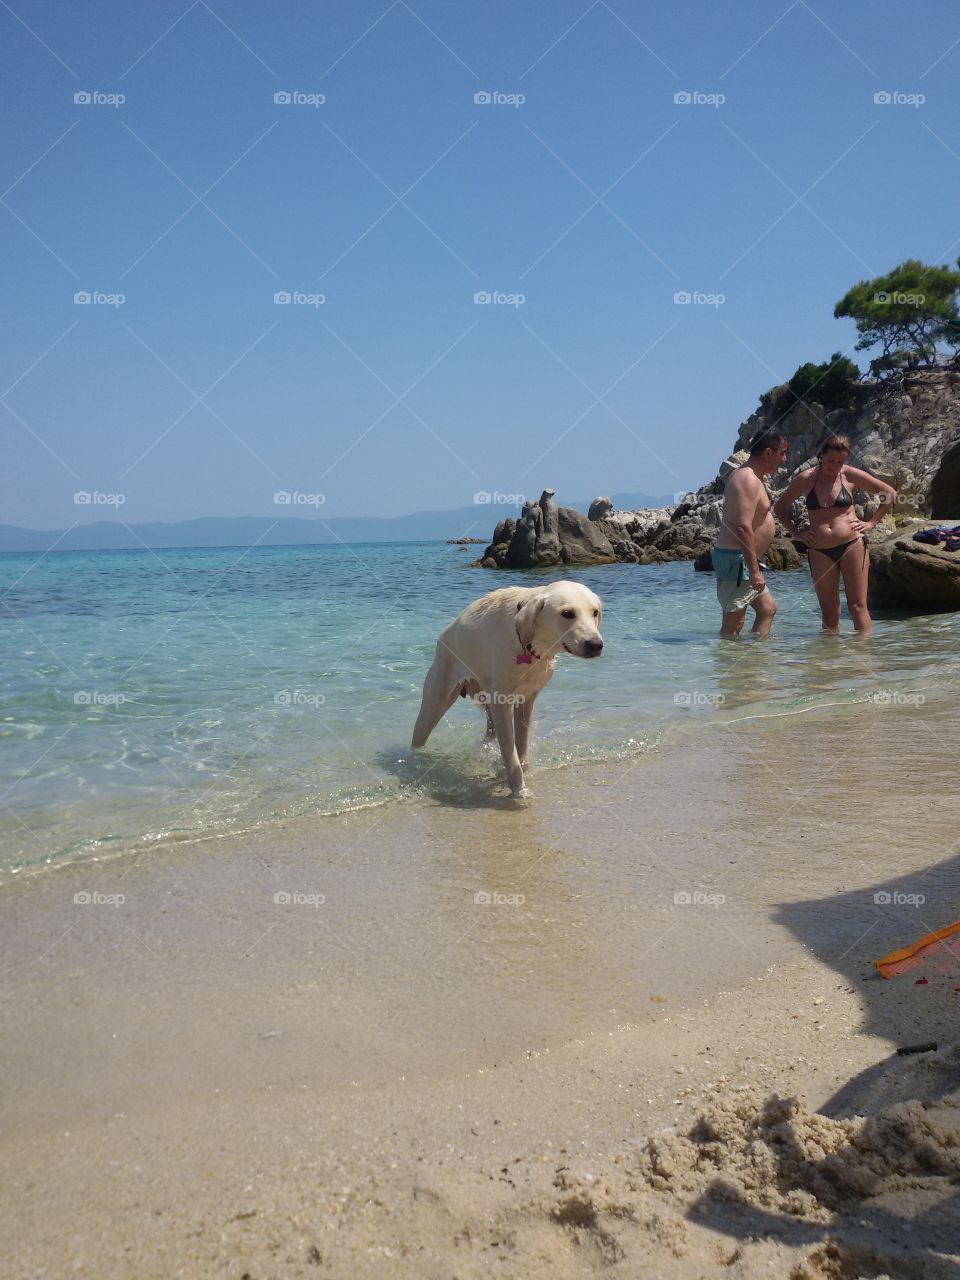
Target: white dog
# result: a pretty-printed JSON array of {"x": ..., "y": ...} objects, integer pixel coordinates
[{"x": 502, "y": 650}]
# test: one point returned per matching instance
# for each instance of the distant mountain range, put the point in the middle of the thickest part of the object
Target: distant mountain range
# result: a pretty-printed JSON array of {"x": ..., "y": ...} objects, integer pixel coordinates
[{"x": 244, "y": 531}]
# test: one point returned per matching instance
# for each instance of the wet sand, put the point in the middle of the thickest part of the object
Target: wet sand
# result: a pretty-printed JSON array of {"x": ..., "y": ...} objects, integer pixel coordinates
[{"x": 366, "y": 1045}]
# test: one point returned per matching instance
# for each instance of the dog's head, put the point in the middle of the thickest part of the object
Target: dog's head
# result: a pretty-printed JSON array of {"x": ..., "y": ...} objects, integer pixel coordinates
[{"x": 564, "y": 615}]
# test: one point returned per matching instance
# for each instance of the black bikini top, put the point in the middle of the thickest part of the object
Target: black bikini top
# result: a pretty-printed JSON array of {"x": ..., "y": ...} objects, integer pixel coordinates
[{"x": 844, "y": 497}]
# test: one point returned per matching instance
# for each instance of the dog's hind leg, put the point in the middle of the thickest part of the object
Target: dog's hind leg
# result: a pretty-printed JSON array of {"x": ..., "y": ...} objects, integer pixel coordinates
[{"x": 440, "y": 691}]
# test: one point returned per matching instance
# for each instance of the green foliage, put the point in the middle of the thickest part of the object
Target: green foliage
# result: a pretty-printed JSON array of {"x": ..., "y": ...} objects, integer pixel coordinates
[
  {"x": 908, "y": 313},
  {"x": 831, "y": 384}
]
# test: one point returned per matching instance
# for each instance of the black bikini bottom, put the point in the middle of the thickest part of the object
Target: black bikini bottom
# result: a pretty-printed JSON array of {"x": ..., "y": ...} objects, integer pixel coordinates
[{"x": 835, "y": 554}]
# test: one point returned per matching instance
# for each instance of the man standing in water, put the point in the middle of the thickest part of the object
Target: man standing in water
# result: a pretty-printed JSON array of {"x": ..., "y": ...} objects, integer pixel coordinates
[{"x": 748, "y": 529}]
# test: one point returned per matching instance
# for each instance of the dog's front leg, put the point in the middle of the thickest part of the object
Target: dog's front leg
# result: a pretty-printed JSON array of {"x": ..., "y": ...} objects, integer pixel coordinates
[
  {"x": 523, "y": 719},
  {"x": 503, "y": 723}
]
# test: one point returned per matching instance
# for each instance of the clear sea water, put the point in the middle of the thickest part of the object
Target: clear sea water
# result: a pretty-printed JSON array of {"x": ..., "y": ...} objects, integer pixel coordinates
[{"x": 149, "y": 696}]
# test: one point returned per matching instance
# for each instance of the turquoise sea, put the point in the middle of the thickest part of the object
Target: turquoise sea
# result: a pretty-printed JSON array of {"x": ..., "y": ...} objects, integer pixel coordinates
[{"x": 149, "y": 696}]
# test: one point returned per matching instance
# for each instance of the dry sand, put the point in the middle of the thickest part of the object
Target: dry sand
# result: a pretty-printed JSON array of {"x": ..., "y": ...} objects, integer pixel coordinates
[{"x": 604, "y": 1078}]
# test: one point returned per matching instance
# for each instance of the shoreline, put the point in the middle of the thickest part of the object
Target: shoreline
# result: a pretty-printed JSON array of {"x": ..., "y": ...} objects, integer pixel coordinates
[
  {"x": 467, "y": 771},
  {"x": 221, "y": 1066}
]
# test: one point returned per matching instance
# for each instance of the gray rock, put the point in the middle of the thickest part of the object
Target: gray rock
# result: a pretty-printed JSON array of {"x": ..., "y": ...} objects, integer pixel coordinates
[
  {"x": 912, "y": 576},
  {"x": 945, "y": 485},
  {"x": 599, "y": 508},
  {"x": 581, "y": 540}
]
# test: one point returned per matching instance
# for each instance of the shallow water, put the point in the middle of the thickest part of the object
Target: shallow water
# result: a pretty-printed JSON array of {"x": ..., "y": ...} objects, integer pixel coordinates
[{"x": 150, "y": 696}]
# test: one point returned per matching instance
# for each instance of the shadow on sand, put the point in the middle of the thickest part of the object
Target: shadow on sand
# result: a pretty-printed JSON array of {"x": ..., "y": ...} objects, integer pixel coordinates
[{"x": 893, "y": 1190}]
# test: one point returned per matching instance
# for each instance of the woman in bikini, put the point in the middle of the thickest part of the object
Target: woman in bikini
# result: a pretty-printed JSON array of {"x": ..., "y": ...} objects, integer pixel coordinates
[{"x": 837, "y": 547}]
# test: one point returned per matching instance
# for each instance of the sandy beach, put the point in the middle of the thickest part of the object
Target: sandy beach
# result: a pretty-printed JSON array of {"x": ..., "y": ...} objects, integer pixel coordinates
[{"x": 545, "y": 1040}]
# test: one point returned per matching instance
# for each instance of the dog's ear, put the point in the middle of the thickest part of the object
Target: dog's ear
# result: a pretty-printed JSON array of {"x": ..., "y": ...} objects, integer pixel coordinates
[{"x": 528, "y": 615}]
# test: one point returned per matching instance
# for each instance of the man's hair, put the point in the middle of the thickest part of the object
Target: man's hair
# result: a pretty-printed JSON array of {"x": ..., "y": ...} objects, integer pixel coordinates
[{"x": 766, "y": 438}]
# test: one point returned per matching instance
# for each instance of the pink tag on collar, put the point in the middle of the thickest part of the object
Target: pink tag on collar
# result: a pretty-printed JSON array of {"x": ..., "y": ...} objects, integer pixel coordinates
[{"x": 524, "y": 657}]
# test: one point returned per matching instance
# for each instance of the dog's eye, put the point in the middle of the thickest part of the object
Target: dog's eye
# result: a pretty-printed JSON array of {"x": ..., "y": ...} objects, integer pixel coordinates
[
  {"x": 596, "y": 613},
  {"x": 569, "y": 613}
]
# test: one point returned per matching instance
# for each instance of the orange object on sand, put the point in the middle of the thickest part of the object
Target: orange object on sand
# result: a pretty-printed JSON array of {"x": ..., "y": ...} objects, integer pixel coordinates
[{"x": 943, "y": 942}]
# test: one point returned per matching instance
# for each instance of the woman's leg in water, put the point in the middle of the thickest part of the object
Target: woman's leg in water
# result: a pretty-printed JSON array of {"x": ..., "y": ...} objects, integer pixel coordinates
[
  {"x": 826, "y": 581},
  {"x": 855, "y": 568}
]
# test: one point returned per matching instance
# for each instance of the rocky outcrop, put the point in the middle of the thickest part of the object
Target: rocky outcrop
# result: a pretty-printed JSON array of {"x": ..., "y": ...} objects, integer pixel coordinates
[
  {"x": 900, "y": 430},
  {"x": 912, "y": 576},
  {"x": 547, "y": 535},
  {"x": 906, "y": 431}
]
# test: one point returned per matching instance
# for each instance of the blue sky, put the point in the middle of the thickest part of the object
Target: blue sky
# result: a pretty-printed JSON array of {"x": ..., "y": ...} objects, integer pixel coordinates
[{"x": 397, "y": 199}]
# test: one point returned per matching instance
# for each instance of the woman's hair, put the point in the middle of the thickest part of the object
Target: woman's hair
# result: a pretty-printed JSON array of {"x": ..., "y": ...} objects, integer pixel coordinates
[
  {"x": 766, "y": 438},
  {"x": 840, "y": 443}
]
